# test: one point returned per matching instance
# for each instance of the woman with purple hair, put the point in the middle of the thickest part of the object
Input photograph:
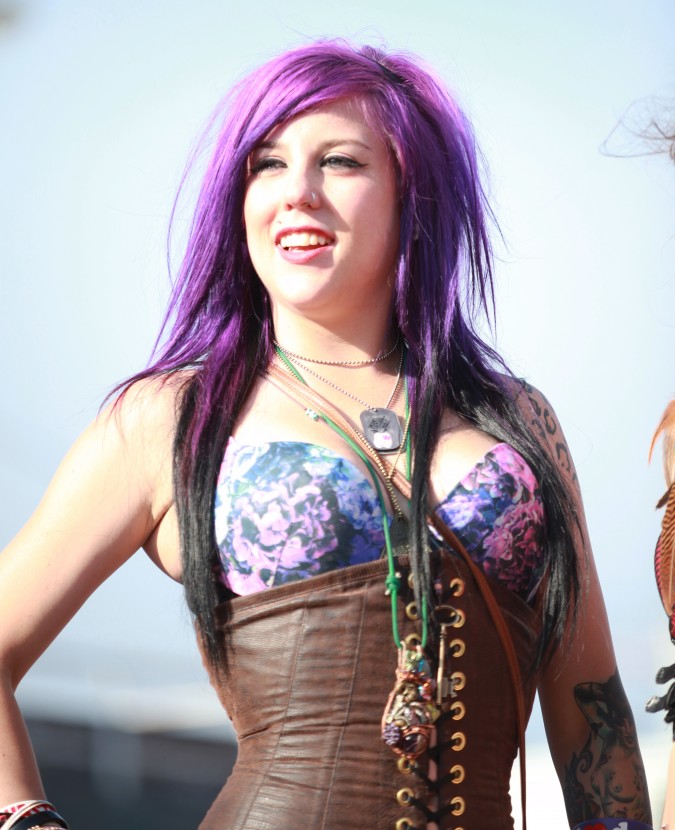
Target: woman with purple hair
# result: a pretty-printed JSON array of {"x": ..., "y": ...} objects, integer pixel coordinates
[{"x": 378, "y": 526}]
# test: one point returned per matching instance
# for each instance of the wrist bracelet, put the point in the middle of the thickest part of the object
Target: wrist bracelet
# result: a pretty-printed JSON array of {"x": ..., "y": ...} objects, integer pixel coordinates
[
  {"x": 18, "y": 809},
  {"x": 37, "y": 820},
  {"x": 612, "y": 824},
  {"x": 25, "y": 815}
]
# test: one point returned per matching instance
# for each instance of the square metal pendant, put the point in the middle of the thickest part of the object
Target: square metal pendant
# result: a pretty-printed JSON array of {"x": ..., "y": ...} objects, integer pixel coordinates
[{"x": 382, "y": 429}]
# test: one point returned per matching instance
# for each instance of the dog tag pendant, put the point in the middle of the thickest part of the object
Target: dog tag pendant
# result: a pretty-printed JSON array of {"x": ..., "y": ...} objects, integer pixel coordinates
[{"x": 382, "y": 429}]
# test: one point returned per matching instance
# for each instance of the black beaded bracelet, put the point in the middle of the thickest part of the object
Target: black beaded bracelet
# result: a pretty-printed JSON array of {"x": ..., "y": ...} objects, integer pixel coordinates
[{"x": 39, "y": 819}]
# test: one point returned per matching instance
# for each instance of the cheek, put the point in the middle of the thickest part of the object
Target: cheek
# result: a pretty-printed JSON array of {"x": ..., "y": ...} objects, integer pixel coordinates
[
  {"x": 254, "y": 228},
  {"x": 389, "y": 227},
  {"x": 249, "y": 219},
  {"x": 256, "y": 210}
]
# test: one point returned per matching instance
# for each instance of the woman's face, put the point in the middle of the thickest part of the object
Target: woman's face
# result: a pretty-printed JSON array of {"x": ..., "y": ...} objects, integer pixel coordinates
[{"x": 322, "y": 214}]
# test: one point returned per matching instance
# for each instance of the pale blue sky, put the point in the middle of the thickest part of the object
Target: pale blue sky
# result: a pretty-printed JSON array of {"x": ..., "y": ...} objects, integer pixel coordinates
[{"x": 100, "y": 103}]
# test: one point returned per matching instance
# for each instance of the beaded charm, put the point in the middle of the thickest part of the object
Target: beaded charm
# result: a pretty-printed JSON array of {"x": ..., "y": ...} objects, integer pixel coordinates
[{"x": 410, "y": 714}]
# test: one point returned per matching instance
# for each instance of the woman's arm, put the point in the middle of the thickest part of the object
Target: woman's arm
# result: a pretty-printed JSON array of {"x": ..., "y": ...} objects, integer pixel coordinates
[
  {"x": 106, "y": 499},
  {"x": 589, "y": 723}
]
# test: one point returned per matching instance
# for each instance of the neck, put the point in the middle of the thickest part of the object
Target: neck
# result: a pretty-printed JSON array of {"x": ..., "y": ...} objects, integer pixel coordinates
[{"x": 352, "y": 340}]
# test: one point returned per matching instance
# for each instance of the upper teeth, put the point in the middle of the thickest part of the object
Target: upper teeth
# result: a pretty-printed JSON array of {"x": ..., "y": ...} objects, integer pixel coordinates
[{"x": 302, "y": 239}]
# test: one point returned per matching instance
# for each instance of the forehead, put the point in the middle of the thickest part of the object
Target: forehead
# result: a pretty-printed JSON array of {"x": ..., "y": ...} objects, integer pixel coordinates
[{"x": 345, "y": 118}]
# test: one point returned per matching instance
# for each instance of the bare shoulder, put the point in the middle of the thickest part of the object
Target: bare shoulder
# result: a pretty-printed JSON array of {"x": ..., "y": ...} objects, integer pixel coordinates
[
  {"x": 125, "y": 453},
  {"x": 138, "y": 427},
  {"x": 144, "y": 406}
]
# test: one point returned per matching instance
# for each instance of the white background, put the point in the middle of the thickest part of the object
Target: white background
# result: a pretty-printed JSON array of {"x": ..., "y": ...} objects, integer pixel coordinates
[{"x": 100, "y": 103}]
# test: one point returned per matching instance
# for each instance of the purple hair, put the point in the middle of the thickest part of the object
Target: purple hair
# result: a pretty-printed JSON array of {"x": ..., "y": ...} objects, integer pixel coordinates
[
  {"x": 219, "y": 319},
  {"x": 441, "y": 199}
]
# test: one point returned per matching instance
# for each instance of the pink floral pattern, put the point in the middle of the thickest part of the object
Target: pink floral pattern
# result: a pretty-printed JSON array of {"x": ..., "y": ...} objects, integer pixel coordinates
[
  {"x": 497, "y": 513},
  {"x": 288, "y": 510}
]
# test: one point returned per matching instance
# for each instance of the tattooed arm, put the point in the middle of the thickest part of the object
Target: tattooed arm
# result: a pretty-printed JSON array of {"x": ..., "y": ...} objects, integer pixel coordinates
[
  {"x": 589, "y": 724},
  {"x": 607, "y": 777}
]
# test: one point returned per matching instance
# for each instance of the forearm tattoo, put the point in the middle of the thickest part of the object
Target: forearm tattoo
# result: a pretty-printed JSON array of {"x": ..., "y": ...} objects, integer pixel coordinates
[{"x": 607, "y": 777}]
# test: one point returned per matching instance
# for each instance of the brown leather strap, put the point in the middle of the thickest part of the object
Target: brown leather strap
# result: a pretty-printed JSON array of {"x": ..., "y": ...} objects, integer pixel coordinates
[{"x": 316, "y": 402}]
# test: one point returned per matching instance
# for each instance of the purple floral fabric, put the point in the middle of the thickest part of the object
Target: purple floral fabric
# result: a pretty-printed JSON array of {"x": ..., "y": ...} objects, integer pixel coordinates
[
  {"x": 498, "y": 515},
  {"x": 287, "y": 510}
]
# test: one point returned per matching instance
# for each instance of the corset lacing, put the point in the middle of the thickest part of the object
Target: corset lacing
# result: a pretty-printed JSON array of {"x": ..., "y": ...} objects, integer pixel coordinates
[{"x": 439, "y": 799}]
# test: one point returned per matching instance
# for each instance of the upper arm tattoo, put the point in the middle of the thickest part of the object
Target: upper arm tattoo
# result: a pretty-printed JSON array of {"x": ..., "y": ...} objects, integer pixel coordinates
[
  {"x": 546, "y": 425},
  {"x": 607, "y": 777}
]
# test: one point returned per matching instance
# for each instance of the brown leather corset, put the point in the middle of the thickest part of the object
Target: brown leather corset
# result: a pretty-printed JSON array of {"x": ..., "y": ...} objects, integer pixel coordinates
[{"x": 310, "y": 667}]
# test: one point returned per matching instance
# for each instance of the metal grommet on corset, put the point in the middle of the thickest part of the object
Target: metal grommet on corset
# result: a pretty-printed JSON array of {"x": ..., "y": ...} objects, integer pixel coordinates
[
  {"x": 459, "y": 618},
  {"x": 457, "y": 681},
  {"x": 405, "y": 796},
  {"x": 458, "y": 805},
  {"x": 411, "y": 611},
  {"x": 405, "y": 824},
  {"x": 457, "y": 586},
  {"x": 458, "y": 773},
  {"x": 457, "y": 647},
  {"x": 413, "y": 640},
  {"x": 411, "y": 580},
  {"x": 405, "y": 765},
  {"x": 458, "y": 741},
  {"x": 458, "y": 710}
]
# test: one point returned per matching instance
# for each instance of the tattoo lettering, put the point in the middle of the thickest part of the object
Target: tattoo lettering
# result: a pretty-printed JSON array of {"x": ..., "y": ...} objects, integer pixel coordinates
[{"x": 607, "y": 777}]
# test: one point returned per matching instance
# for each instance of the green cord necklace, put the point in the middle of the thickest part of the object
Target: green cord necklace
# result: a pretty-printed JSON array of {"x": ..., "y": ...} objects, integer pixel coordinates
[
  {"x": 393, "y": 580},
  {"x": 410, "y": 712}
]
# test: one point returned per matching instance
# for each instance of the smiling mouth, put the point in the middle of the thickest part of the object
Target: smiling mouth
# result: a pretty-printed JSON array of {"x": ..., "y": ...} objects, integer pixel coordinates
[{"x": 303, "y": 241}]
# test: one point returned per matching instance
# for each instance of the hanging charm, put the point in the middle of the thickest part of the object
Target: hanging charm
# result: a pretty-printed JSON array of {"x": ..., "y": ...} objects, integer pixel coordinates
[
  {"x": 398, "y": 534},
  {"x": 410, "y": 714},
  {"x": 382, "y": 429}
]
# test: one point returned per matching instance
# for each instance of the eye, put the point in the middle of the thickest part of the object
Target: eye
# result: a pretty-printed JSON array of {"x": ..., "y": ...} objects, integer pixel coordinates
[
  {"x": 266, "y": 164},
  {"x": 340, "y": 162}
]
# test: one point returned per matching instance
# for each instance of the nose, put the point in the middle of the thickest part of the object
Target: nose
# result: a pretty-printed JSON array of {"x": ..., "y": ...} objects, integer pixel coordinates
[{"x": 300, "y": 193}]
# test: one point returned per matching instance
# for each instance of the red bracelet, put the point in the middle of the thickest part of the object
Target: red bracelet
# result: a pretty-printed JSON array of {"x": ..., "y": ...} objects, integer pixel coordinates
[{"x": 30, "y": 808}]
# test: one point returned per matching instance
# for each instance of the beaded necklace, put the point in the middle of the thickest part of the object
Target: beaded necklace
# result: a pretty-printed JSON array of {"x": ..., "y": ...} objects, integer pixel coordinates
[
  {"x": 380, "y": 424},
  {"x": 365, "y": 362},
  {"x": 399, "y": 528},
  {"x": 410, "y": 712}
]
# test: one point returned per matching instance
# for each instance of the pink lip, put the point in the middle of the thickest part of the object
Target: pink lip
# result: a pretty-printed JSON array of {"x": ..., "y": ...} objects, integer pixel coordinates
[
  {"x": 301, "y": 257},
  {"x": 306, "y": 255}
]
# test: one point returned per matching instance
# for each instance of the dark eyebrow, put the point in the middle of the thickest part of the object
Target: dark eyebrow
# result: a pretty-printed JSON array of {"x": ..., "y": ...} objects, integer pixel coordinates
[
  {"x": 330, "y": 144},
  {"x": 271, "y": 144}
]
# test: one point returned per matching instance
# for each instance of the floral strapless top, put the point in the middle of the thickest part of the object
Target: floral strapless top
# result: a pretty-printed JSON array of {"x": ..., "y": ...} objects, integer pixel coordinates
[{"x": 287, "y": 510}]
